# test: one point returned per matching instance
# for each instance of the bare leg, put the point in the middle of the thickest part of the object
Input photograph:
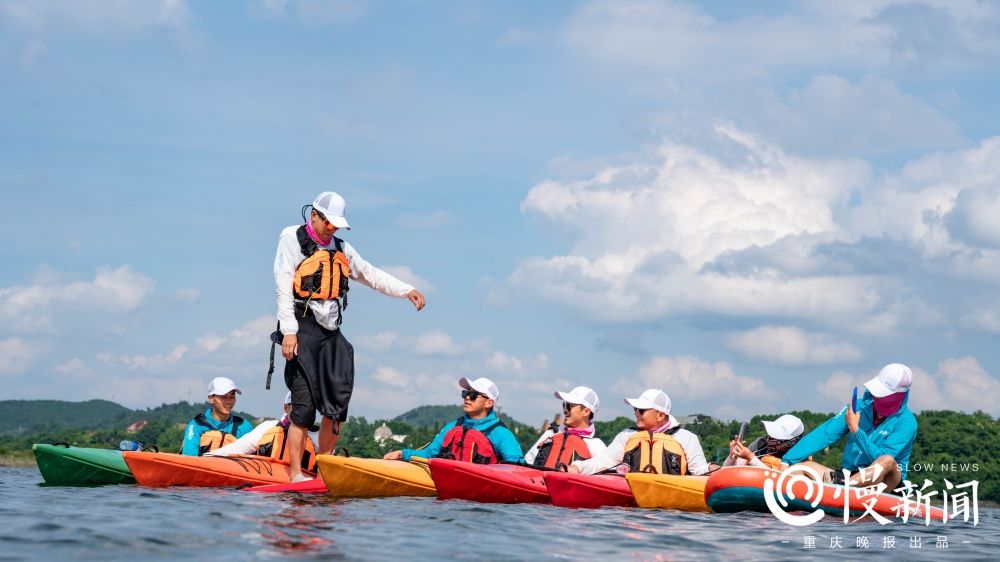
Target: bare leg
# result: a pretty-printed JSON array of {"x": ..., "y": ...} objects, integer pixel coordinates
[
  {"x": 887, "y": 473},
  {"x": 327, "y": 437},
  {"x": 816, "y": 468},
  {"x": 296, "y": 443}
]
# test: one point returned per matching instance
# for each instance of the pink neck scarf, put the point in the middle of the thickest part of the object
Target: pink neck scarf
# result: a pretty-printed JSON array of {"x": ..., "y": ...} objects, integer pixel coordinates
[
  {"x": 889, "y": 405},
  {"x": 663, "y": 427},
  {"x": 315, "y": 237},
  {"x": 582, "y": 431}
]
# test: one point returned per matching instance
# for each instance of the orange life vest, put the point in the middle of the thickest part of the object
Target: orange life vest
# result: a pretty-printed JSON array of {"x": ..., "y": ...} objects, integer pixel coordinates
[
  {"x": 659, "y": 453},
  {"x": 469, "y": 445},
  {"x": 273, "y": 444},
  {"x": 324, "y": 273},
  {"x": 213, "y": 438},
  {"x": 560, "y": 450}
]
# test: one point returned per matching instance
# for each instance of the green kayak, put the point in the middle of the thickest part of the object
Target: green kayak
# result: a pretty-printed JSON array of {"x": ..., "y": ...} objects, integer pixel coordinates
[{"x": 81, "y": 466}]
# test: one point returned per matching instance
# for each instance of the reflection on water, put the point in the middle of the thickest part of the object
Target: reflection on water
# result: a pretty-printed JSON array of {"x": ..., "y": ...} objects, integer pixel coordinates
[{"x": 128, "y": 522}]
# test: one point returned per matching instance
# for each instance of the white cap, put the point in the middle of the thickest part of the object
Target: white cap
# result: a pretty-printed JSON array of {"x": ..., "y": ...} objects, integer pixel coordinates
[
  {"x": 481, "y": 385},
  {"x": 785, "y": 427},
  {"x": 221, "y": 386},
  {"x": 332, "y": 206},
  {"x": 651, "y": 398},
  {"x": 891, "y": 379},
  {"x": 583, "y": 395},
  {"x": 288, "y": 398}
]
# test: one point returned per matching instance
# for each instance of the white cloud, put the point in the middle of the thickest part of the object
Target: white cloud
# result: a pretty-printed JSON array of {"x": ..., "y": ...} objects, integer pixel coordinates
[
  {"x": 789, "y": 345},
  {"x": 407, "y": 275},
  {"x": 425, "y": 220},
  {"x": 435, "y": 342},
  {"x": 675, "y": 35},
  {"x": 35, "y": 307},
  {"x": 309, "y": 12},
  {"x": 381, "y": 341},
  {"x": 254, "y": 333},
  {"x": 72, "y": 366},
  {"x": 694, "y": 384},
  {"x": 15, "y": 355},
  {"x": 97, "y": 16},
  {"x": 504, "y": 363},
  {"x": 187, "y": 295},
  {"x": 154, "y": 362},
  {"x": 390, "y": 376}
]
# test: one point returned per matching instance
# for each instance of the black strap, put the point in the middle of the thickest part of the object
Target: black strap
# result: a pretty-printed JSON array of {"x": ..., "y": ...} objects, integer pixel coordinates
[{"x": 270, "y": 368}]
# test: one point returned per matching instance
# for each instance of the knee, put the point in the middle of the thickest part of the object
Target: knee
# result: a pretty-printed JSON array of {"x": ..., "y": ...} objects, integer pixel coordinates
[{"x": 887, "y": 462}]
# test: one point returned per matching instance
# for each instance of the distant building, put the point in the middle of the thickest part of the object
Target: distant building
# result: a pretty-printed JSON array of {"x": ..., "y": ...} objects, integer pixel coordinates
[
  {"x": 382, "y": 433},
  {"x": 136, "y": 426},
  {"x": 692, "y": 419}
]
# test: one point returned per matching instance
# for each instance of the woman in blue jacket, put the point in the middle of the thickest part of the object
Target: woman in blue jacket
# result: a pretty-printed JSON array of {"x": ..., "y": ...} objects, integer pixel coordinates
[
  {"x": 880, "y": 434},
  {"x": 478, "y": 436}
]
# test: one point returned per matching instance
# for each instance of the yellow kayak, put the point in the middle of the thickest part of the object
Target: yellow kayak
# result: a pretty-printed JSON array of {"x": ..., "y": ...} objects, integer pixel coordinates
[
  {"x": 349, "y": 477},
  {"x": 668, "y": 491}
]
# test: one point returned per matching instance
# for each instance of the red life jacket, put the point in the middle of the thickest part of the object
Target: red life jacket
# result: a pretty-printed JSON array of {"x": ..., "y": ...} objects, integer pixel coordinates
[
  {"x": 469, "y": 444},
  {"x": 560, "y": 450}
]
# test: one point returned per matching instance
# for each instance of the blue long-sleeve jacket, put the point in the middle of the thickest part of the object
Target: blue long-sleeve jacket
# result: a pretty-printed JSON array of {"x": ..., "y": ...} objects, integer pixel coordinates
[
  {"x": 194, "y": 431},
  {"x": 504, "y": 442},
  {"x": 894, "y": 436}
]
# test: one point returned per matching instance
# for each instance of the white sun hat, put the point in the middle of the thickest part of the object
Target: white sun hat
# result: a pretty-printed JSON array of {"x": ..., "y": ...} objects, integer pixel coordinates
[
  {"x": 583, "y": 395},
  {"x": 221, "y": 386},
  {"x": 481, "y": 385},
  {"x": 332, "y": 206},
  {"x": 893, "y": 378},
  {"x": 651, "y": 398},
  {"x": 784, "y": 428}
]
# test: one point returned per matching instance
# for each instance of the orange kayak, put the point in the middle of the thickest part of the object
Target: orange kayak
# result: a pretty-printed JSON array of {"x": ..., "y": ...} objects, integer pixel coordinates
[{"x": 169, "y": 469}]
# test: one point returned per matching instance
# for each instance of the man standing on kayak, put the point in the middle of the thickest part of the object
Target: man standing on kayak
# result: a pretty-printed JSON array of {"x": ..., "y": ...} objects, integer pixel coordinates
[
  {"x": 656, "y": 444},
  {"x": 478, "y": 436},
  {"x": 880, "y": 434},
  {"x": 311, "y": 272}
]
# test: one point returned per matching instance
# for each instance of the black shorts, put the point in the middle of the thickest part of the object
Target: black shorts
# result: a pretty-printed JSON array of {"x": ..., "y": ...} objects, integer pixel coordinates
[{"x": 331, "y": 358}]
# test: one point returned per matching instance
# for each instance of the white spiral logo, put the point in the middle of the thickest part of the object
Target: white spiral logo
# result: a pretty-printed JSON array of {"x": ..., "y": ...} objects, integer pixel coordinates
[{"x": 779, "y": 488}]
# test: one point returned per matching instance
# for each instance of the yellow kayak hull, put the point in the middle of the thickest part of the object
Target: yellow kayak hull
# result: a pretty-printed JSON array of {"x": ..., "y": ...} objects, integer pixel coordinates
[
  {"x": 349, "y": 477},
  {"x": 667, "y": 491}
]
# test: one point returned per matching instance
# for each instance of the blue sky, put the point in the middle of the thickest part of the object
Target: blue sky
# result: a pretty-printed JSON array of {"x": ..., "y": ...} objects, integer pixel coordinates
[{"x": 753, "y": 208}]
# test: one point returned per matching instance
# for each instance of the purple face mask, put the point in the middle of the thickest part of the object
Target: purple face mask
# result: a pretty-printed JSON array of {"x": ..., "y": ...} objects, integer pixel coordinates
[{"x": 889, "y": 405}]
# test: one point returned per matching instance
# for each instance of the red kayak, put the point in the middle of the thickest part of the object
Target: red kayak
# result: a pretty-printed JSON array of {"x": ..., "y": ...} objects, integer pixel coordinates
[
  {"x": 582, "y": 490},
  {"x": 169, "y": 469},
  {"x": 314, "y": 486},
  {"x": 488, "y": 483}
]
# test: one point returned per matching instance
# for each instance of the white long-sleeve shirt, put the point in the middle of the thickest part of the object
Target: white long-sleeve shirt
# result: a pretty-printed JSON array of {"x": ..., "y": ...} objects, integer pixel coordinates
[
  {"x": 289, "y": 256},
  {"x": 696, "y": 463},
  {"x": 597, "y": 448}
]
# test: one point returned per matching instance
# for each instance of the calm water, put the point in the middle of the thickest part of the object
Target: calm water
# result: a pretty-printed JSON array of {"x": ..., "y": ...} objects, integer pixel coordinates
[{"x": 129, "y": 522}]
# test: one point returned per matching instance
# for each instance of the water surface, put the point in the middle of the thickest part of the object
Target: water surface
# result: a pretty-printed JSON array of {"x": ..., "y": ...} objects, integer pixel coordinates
[{"x": 130, "y": 522}]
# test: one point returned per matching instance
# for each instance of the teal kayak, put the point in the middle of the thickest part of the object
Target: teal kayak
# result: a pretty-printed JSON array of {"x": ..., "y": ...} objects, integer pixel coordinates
[{"x": 81, "y": 466}]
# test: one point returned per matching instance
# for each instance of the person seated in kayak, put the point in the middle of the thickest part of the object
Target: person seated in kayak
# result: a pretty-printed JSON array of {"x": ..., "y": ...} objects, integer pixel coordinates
[
  {"x": 767, "y": 451},
  {"x": 217, "y": 426},
  {"x": 880, "y": 434},
  {"x": 269, "y": 439},
  {"x": 656, "y": 444},
  {"x": 478, "y": 436},
  {"x": 577, "y": 440}
]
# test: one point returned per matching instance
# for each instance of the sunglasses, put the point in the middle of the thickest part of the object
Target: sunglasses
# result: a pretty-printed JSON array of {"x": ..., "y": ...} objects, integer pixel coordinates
[
  {"x": 641, "y": 411},
  {"x": 472, "y": 394},
  {"x": 568, "y": 407}
]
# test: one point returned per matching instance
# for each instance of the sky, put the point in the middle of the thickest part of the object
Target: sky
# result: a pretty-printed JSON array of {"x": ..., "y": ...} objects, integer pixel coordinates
[{"x": 753, "y": 206}]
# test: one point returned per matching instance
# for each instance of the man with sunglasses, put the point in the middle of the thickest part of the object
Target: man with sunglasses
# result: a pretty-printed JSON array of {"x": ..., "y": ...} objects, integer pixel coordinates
[
  {"x": 311, "y": 272},
  {"x": 656, "y": 443},
  {"x": 578, "y": 440},
  {"x": 478, "y": 436}
]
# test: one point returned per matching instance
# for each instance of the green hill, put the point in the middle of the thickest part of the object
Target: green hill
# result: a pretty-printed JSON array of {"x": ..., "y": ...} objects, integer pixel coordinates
[
  {"x": 436, "y": 416},
  {"x": 34, "y": 417}
]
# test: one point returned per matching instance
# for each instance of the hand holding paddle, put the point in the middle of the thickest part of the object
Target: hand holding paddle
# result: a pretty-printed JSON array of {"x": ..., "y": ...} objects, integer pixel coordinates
[{"x": 851, "y": 416}]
